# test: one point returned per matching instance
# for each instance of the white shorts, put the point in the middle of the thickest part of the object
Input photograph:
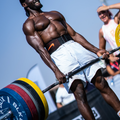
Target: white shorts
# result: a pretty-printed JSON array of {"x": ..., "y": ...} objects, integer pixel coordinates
[{"x": 71, "y": 55}]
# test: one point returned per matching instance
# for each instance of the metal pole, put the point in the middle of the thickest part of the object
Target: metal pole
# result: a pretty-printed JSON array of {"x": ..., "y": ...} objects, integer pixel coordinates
[
  {"x": 6, "y": 115},
  {"x": 104, "y": 1}
]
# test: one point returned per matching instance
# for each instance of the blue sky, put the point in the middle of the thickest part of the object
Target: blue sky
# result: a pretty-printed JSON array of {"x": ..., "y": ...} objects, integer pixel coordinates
[{"x": 17, "y": 57}]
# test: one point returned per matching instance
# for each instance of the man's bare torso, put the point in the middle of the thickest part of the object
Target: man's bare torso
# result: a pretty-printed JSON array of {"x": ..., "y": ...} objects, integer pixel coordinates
[{"x": 49, "y": 25}]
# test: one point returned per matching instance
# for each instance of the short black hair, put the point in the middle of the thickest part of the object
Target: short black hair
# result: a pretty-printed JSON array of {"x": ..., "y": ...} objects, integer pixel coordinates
[{"x": 21, "y": 1}]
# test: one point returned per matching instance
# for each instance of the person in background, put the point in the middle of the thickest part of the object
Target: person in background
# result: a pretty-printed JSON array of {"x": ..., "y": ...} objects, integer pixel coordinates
[
  {"x": 113, "y": 68},
  {"x": 63, "y": 97},
  {"x": 107, "y": 32},
  {"x": 113, "y": 77}
]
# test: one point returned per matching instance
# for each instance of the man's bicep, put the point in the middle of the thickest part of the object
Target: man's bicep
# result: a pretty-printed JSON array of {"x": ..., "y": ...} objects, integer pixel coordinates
[
  {"x": 32, "y": 36},
  {"x": 35, "y": 42}
]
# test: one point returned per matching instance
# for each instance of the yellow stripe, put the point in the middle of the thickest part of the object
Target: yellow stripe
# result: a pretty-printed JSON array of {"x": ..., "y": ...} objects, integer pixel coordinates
[
  {"x": 117, "y": 35},
  {"x": 39, "y": 92}
]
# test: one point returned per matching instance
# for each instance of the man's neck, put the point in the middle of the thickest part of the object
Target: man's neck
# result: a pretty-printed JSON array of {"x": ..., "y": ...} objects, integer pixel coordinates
[{"x": 35, "y": 12}]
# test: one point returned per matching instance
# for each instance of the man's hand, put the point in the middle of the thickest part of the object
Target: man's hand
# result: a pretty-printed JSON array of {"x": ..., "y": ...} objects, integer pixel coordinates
[
  {"x": 103, "y": 53},
  {"x": 106, "y": 55},
  {"x": 60, "y": 76}
]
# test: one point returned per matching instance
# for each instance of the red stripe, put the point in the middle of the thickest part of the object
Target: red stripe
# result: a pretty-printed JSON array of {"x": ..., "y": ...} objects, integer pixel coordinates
[
  {"x": 27, "y": 99},
  {"x": 116, "y": 66}
]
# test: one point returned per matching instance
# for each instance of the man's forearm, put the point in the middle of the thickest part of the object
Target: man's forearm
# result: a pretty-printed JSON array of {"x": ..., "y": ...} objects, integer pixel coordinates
[
  {"x": 48, "y": 61},
  {"x": 81, "y": 40}
]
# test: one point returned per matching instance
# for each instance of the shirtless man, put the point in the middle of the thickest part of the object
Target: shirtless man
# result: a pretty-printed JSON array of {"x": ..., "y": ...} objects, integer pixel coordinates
[{"x": 62, "y": 49}]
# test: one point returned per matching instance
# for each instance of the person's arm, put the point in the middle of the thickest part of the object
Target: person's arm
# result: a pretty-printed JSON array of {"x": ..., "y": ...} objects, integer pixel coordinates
[
  {"x": 104, "y": 7},
  {"x": 36, "y": 42},
  {"x": 81, "y": 40},
  {"x": 111, "y": 72},
  {"x": 114, "y": 6},
  {"x": 59, "y": 105},
  {"x": 102, "y": 41}
]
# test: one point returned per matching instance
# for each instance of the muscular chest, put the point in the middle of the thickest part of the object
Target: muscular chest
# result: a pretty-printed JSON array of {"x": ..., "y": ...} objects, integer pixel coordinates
[{"x": 43, "y": 21}]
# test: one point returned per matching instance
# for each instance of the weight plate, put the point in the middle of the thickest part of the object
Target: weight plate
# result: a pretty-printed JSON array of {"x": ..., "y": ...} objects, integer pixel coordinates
[
  {"x": 27, "y": 99},
  {"x": 9, "y": 99},
  {"x": 117, "y": 35},
  {"x": 39, "y": 92},
  {"x": 34, "y": 96}
]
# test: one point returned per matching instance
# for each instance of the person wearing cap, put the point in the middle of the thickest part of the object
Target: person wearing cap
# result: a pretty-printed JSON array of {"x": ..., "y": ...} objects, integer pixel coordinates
[{"x": 107, "y": 32}]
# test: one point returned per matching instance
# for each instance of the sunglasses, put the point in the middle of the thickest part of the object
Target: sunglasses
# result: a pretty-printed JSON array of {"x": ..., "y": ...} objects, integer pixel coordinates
[{"x": 102, "y": 12}]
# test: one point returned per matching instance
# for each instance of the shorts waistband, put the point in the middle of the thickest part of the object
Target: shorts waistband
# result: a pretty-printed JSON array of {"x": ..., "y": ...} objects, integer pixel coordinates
[{"x": 52, "y": 45}]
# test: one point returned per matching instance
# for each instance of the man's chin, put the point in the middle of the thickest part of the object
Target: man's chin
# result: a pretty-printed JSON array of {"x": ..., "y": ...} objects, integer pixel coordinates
[
  {"x": 41, "y": 5},
  {"x": 38, "y": 7}
]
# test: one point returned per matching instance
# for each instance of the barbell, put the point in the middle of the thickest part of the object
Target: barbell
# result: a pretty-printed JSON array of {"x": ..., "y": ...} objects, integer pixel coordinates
[{"x": 23, "y": 99}]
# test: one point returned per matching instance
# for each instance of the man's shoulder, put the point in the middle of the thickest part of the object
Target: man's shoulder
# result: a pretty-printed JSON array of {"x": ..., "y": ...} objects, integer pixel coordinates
[
  {"x": 53, "y": 11},
  {"x": 28, "y": 26},
  {"x": 57, "y": 12},
  {"x": 28, "y": 22}
]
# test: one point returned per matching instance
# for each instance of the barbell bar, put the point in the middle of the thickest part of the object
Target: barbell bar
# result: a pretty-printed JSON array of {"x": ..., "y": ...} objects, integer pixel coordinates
[{"x": 76, "y": 70}]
